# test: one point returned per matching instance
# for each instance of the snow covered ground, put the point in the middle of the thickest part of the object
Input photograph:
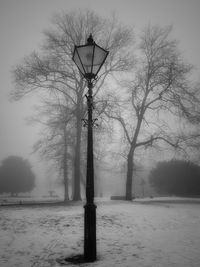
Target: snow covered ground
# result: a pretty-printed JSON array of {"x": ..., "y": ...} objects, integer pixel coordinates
[{"x": 129, "y": 234}]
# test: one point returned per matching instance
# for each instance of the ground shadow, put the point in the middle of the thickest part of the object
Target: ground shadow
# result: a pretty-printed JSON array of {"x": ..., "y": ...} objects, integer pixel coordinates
[{"x": 76, "y": 259}]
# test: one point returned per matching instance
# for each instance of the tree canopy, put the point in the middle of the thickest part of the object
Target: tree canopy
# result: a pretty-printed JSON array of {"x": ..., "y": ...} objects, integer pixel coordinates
[{"x": 16, "y": 175}]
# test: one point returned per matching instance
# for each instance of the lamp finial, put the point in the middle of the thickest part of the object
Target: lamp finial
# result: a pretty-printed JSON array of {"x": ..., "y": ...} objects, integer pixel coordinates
[{"x": 90, "y": 39}]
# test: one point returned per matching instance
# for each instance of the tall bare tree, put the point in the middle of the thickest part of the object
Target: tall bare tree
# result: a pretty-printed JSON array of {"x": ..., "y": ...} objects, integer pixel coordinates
[
  {"x": 160, "y": 89},
  {"x": 53, "y": 69},
  {"x": 56, "y": 140}
]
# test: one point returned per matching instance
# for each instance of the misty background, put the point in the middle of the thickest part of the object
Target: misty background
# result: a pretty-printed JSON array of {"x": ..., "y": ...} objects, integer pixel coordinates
[{"x": 22, "y": 24}]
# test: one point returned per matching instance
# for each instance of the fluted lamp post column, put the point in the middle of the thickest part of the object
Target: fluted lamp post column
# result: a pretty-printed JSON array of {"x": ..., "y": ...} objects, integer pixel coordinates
[{"x": 89, "y": 59}]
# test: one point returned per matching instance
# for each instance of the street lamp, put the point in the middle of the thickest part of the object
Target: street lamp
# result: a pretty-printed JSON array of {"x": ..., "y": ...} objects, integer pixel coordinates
[{"x": 89, "y": 59}]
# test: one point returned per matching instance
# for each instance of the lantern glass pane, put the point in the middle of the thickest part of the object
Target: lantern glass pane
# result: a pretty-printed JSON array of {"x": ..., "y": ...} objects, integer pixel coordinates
[
  {"x": 99, "y": 56},
  {"x": 86, "y": 56},
  {"x": 78, "y": 62}
]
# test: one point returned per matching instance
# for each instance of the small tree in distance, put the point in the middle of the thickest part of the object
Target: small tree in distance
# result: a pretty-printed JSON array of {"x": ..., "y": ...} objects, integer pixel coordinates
[
  {"x": 176, "y": 177},
  {"x": 16, "y": 176}
]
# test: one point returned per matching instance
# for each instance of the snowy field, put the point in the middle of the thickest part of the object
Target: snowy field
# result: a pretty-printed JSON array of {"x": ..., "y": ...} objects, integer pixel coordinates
[{"x": 129, "y": 234}]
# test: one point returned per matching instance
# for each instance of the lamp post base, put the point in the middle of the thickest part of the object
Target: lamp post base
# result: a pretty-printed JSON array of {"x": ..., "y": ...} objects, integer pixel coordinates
[{"x": 90, "y": 233}]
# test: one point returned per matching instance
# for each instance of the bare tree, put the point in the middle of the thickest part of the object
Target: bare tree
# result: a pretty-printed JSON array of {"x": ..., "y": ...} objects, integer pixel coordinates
[
  {"x": 53, "y": 69},
  {"x": 159, "y": 91},
  {"x": 56, "y": 141}
]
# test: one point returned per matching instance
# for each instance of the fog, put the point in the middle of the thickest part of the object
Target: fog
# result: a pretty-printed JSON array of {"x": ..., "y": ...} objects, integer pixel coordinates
[{"x": 22, "y": 25}]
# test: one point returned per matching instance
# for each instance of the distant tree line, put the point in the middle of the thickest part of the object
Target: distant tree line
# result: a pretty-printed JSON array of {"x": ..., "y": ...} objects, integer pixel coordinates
[{"x": 176, "y": 177}]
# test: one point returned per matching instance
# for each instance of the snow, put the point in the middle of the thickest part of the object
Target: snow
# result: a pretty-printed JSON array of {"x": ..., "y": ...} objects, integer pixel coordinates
[{"x": 143, "y": 233}]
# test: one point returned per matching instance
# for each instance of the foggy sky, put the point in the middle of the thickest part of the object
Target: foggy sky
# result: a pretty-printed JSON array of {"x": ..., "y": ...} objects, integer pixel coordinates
[{"x": 22, "y": 23}]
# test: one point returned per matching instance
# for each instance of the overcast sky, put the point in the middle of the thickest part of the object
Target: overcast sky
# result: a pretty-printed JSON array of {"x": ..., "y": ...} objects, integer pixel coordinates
[{"x": 22, "y": 23}]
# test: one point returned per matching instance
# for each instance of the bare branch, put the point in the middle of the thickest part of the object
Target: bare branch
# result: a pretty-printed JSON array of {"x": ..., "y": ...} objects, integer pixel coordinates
[{"x": 122, "y": 122}]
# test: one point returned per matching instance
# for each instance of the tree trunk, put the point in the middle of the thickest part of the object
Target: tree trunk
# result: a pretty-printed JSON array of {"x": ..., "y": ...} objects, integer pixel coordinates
[
  {"x": 65, "y": 168},
  {"x": 66, "y": 184},
  {"x": 129, "y": 179},
  {"x": 77, "y": 191}
]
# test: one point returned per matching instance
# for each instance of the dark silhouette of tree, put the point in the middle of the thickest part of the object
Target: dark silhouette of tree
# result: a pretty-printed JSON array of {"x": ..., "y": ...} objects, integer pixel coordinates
[
  {"x": 159, "y": 91},
  {"x": 53, "y": 69},
  {"x": 176, "y": 177},
  {"x": 16, "y": 176}
]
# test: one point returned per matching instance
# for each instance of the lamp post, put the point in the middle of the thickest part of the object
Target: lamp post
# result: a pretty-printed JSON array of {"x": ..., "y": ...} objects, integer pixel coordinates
[{"x": 89, "y": 59}]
